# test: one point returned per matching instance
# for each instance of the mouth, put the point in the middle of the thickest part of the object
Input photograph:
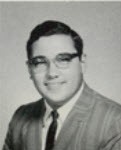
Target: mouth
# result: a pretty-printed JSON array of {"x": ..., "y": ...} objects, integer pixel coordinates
[{"x": 54, "y": 84}]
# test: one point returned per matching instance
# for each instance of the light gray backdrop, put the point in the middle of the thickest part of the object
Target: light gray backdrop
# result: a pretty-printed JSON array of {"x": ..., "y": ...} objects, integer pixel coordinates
[{"x": 99, "y": 23}]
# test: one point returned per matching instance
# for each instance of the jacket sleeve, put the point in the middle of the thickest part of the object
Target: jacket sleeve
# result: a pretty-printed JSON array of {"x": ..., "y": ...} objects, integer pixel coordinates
[
  {"x": 113, "y": 136},
  {"x": 9, "y": 142}
]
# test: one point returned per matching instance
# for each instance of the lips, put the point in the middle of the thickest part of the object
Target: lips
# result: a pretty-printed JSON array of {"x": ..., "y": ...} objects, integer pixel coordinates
[{"x": 53, "y": 83}]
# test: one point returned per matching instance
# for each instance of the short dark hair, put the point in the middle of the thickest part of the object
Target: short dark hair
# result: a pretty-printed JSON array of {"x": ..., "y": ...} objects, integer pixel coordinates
[{"x": 52, "y": 27}]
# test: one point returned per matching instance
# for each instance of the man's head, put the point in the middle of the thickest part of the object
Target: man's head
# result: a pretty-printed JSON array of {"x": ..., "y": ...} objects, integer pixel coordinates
[
  {"x": 54, "y": 57},
  {"x": 52, "y": 28}
]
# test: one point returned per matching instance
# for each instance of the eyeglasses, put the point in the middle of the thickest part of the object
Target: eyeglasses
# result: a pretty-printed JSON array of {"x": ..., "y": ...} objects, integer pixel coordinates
[{"x": 41, "y": 63}]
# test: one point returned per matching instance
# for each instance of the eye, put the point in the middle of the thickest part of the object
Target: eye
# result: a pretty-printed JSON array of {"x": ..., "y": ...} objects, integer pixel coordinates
[
  {"x": 64, "y": 57},
  {"x": 39, "y": 61}
]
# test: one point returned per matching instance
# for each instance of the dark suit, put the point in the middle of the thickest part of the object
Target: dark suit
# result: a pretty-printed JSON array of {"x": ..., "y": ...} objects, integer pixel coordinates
[{"x": 94, "y": 123}]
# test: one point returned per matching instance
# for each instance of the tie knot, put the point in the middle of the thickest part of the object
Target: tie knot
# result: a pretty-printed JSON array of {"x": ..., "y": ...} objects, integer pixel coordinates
[{"x": 54, "y": 114}]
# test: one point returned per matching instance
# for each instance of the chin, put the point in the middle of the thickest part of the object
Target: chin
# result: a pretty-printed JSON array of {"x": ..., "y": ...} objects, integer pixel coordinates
[
  {"x": 57, "y": 100},
  {"x": 55, "y": 103}
]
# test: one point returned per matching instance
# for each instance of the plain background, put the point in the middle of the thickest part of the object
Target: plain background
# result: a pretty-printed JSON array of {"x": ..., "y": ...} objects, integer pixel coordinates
[{"x": 99, "y": 23}]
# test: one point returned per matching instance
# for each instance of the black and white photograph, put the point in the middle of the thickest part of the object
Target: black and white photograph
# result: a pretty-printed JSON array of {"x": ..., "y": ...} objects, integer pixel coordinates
[{"x": 60, "y": 75}]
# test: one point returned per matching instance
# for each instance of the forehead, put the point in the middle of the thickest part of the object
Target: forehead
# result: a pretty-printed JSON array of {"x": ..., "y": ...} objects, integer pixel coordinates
[{"x": 50, "y": 46}]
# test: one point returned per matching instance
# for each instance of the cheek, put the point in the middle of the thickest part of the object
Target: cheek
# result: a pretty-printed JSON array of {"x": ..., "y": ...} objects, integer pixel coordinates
[
  {"x": 74, "y": 74},
  {"x": 75, "y": 79},
  {"x": 38, "y": 80}
]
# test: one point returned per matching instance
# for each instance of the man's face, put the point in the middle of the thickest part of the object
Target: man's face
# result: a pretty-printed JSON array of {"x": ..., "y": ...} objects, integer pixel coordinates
[{"x": 55, "y": 84}]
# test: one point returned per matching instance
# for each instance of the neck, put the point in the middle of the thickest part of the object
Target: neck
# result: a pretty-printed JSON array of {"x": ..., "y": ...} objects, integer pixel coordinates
[{"x": 54, "y": 105}]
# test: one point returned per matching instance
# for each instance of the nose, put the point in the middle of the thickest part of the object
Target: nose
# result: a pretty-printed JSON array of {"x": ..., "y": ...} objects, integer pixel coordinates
[{"x": 53, "y": 71}]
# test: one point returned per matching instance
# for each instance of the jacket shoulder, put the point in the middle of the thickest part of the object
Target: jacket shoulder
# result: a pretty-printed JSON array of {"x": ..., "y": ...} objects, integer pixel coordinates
[
  {"x": 101, "y": 102},
  {"x": 107, "y": 105},
  {"x": 29, "y": 111},
  {"x": 110, "y": 112}
]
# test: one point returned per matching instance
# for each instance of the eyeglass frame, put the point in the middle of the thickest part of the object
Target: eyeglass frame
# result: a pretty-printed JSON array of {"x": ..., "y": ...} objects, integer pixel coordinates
[{"x": 72, "y": 56}]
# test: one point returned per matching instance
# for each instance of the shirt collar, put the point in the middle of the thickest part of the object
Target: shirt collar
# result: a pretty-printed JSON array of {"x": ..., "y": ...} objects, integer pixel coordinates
[
  {"x": 48, "y": 111},
  {"x": 65, "y": 109}
]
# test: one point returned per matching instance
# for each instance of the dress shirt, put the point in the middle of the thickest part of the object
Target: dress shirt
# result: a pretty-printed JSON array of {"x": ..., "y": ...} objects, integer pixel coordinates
[{"x": 63, "y": 112}]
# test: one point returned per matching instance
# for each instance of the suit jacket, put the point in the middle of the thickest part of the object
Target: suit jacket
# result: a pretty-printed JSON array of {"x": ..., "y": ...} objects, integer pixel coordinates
[{"x": 94, "y": 123}]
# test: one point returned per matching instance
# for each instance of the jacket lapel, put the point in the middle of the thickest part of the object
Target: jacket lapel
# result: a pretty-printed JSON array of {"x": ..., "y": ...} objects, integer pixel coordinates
[
  {"x": 72, "y": 128},
  {"x": 68, "y": 132},
  {"x": 32, "y": 129},
  {"x": 33, "y": 136}
]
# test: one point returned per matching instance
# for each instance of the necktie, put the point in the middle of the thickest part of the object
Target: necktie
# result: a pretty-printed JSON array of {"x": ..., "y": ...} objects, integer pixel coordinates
[{"x": 52, "y": 131}]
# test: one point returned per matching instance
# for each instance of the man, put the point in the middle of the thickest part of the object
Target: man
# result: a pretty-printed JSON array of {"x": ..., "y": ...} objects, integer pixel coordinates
[{"x": 70, "y": 116}]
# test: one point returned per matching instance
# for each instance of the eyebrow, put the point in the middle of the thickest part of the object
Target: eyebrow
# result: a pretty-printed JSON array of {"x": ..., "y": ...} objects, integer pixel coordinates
[
  {"x": 42, "y": 56},
  {"x": 39, "y": 56}
]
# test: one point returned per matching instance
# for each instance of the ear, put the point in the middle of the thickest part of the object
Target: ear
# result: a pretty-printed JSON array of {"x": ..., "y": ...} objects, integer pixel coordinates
[
  {"x": 30, "y": 71},
  {"x": 83, "y": 63}
]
